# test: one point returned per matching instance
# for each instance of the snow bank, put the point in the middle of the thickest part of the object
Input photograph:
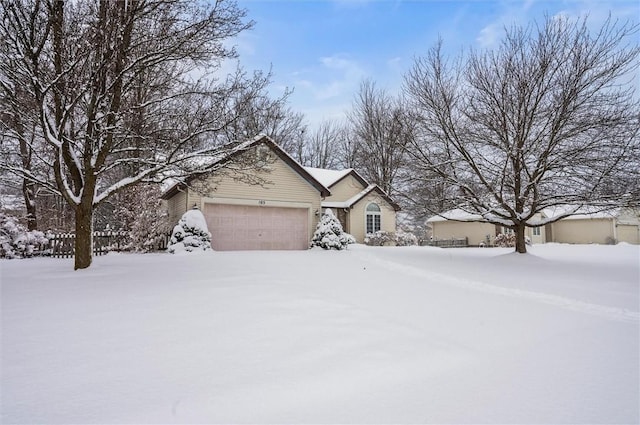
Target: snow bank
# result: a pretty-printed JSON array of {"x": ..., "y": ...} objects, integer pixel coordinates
[{"x": 373, "y": 335}]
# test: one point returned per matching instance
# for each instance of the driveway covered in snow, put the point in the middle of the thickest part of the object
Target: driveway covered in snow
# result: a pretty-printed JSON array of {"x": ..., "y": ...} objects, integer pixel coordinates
[{"x": 368, "y": 335}]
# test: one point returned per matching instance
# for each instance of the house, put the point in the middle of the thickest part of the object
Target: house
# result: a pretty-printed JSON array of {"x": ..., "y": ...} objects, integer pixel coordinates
[
  {"x": 460, "y": 224},
  {"x": 361, "y": 207},
  {"x": 586, "y": 226},
  {"x": 590, "y": 225},
  {"x": 276, "y": 203}
]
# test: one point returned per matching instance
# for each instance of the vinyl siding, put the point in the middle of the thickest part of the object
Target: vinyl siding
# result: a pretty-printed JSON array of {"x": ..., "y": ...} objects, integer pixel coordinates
[
  {"x": 357, "y": 220},
  {"x": 345, "y": 189},
  {"x": 177, "y": 205},
  {"x": 629, "y": 233},
  {"x": 583, "y": 231},
  {"x": 476, "y": 232}
]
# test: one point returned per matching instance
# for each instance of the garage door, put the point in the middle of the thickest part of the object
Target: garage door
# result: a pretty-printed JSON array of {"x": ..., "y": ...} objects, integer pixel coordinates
[
  {"x": 628, "y": 233},
  {"x": 240, "y": 227}
]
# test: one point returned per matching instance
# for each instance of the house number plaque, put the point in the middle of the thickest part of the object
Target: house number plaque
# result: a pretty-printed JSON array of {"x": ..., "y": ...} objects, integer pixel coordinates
[{"x": 261, "y": 202}]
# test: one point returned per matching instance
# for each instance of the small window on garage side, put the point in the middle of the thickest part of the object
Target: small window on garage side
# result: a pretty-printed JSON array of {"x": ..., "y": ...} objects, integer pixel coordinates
[
  {"x": 536, "y": 231},
  {"x": 373, "y": 218}
]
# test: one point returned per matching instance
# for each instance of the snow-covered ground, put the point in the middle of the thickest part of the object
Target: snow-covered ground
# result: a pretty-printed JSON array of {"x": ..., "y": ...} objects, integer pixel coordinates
[{"x": 368, "y": 335}]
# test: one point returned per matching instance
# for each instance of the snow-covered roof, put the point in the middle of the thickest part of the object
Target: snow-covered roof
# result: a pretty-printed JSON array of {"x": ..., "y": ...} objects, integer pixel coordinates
[
  {"x": 456, "y": 214},
  {"x": 357, "y": 197},
  {"x": 327, "y": 177},
  {"x": 581, "y": 213},
  {"x": 577, "y": 213}
]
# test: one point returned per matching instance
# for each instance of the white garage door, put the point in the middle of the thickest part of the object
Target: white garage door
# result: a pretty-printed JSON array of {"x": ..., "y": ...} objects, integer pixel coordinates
[
  {"x": 240, "y": 227},
  {"x": 628, "y": 233}
]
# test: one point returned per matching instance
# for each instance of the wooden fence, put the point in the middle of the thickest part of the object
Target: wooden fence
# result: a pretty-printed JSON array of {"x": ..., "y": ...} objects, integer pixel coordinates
[
  {"x": 449, "y": 243},
  {"x": 62, "y": 245}
]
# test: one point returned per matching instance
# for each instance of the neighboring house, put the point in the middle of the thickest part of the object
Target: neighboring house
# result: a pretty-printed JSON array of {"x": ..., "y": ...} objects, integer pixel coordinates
[
  {"x": 278, "y": 204},
  {"x": 592, "y": 226},
  {"x": 361, "y": 207},
  {"x": 586, "y": 226},
  {"x": 459, "y": 224}
]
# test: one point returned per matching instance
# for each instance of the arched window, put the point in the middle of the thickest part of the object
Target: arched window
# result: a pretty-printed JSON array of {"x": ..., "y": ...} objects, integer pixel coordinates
[{"x": 373, "y": 218}]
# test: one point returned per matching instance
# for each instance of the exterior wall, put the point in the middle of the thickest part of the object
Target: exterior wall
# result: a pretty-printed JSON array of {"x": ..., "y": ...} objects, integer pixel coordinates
[
  {"x": 357, "y": 216},
  {"x": 284, "y": 187},
  {"x": 537, "y": 239},
  {"x": 476, "y": 232},
  {"x": 177, "y": 205},
  {"x": 629, "y": 233},
  {"x": 345, "y": 189},
  {"x": 583, "y": 231}
]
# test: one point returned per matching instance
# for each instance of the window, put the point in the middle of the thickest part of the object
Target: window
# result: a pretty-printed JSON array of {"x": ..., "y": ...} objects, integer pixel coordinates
[
  {"x": 536, "y": 231},
  {"x": 373, "y": 218}
]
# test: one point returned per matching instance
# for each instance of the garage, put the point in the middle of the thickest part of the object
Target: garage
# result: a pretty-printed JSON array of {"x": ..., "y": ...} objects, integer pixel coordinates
[
  {"x": 628, "y": 233},
  {"x": 243, "y": 227}
]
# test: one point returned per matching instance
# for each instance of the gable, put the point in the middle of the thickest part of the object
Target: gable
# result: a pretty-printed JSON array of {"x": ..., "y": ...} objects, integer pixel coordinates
[
  {"x": 249, "y": 148},
  {"x": 345, "y": 188},
  {"x": 278, "y": 181}
]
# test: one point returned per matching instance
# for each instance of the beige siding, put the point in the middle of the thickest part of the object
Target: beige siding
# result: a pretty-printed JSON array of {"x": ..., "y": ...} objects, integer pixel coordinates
[
  {"x": 177, "y": 206},
  {"x": 345, "y": 189},
  {"x": 583, "y": 231},
  {"x": 357, "y": 221},
  {"x": 629, "y": 233},
  {"x": 283, "y": 188},
  {"x": 536, "y": 239},
  {"x": 475, "y": 232}
]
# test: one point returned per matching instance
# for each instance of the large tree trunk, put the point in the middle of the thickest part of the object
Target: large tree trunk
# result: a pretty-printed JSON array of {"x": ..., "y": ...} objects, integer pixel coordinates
[
  {"x": 521, "y": 245},
  {"x": 84, "y": 235}
]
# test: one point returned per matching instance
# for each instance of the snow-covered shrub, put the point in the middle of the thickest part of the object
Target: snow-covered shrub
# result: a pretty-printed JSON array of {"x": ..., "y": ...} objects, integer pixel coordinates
[
  {"x": 329, "y": 233},
  {"x": 379, "y": 238},
  {"x": 190, "y": 234},
  {"x": 509, "y": 240},
  {"x": 405, "y": 239},
  {"x": 505, "y": 240},
  {"x": 16, "y": 241}
]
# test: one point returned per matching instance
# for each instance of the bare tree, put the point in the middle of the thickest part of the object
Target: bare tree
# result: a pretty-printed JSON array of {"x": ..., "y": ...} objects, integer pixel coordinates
[
  {"x": 382, "y": 129},
  {"x": 259, "y": 113},
  {"x": 544, "y": 120},
  {"x": 322, "y": 145},
  {"x": 18, "y": 137},
  {"x": 123, "y": 91},
  {"x": 348, "y": 147}
]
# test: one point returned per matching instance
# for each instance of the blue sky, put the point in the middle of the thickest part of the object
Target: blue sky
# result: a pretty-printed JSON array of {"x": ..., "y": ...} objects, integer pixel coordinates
[{"x": 323, "y": 49}]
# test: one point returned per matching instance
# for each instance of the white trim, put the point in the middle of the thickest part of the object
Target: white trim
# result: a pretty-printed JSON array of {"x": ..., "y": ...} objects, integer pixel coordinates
[{"x": 255, "y": 202}]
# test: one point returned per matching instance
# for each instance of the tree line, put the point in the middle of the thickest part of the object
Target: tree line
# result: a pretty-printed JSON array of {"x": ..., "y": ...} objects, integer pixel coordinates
[{"x": 101, "y": 101}]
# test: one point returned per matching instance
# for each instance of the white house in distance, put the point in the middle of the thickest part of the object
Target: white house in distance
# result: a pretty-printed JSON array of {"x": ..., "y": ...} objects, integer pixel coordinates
[
  {"x": 283, "y": 209},
  {"x": 585, "y": 227}
]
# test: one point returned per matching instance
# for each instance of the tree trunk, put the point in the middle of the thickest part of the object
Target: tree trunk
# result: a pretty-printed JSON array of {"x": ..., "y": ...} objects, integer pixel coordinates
[
  {"x": 84, "y": 236},
  {"x": 521, "y": 246},
  {"x": 28, "y": 192}
]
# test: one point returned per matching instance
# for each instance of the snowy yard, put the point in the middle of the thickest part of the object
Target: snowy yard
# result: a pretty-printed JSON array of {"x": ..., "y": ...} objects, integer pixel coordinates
[{"x": 368, "y": 335}]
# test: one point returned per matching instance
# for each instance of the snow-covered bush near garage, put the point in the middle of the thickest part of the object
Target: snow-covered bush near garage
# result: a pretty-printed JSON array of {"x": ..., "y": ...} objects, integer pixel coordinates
[
  {"x": 508, "y": 240},
  {"x": 505, "y": 240},
  {"x": 379, "y": 238},
  {"x": 405, "y": 239},
  {"x": 16, "y": 241},
  {"x": 190, "y": 234},
  {"x": 329, "y": 233}
]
